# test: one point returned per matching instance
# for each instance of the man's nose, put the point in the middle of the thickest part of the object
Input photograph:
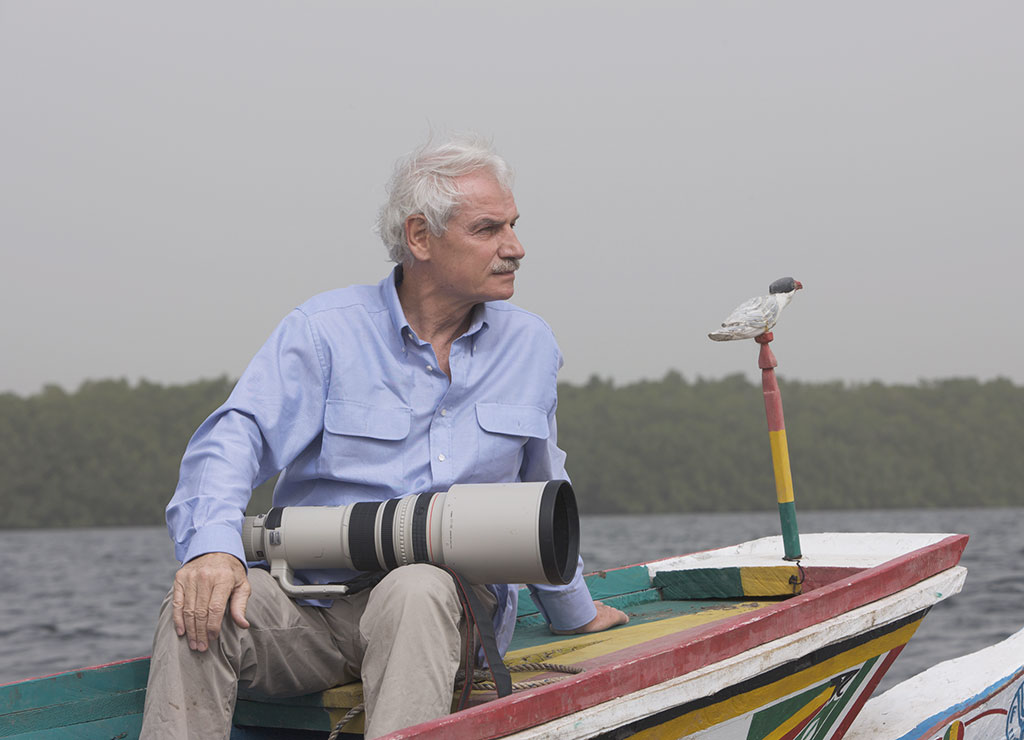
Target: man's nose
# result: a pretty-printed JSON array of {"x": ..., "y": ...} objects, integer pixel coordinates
[{"x": 511, "y": 246}]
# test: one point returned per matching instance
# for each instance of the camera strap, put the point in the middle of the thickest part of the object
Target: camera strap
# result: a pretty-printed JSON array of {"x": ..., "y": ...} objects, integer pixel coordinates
[{"x": 478, "y": 618}]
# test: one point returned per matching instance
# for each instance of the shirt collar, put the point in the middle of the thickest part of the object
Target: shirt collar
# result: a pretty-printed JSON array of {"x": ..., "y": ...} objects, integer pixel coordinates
[{"x": 389, "y": 294}]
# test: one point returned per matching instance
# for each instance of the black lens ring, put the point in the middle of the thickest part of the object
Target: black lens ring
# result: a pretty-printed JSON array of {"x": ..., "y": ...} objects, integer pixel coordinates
[
  {"x": 559, "y": 531},
  {"x": 420, "y": 553},
  {"x": 362, "y": 540},
  {"x": 387, "y": 534}
]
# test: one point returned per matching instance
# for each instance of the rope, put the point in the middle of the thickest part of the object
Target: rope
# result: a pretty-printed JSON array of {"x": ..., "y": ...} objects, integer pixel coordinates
[{"x": 481, "y": 680}]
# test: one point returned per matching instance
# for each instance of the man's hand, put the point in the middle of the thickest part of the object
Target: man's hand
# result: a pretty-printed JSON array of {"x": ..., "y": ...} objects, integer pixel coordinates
[
  {"x": 607, "y": 617},
  {"x": 202, "y": 589}
]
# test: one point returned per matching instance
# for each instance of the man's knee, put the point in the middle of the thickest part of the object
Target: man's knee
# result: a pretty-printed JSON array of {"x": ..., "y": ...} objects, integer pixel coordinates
[{"x": 420, "y": 582}]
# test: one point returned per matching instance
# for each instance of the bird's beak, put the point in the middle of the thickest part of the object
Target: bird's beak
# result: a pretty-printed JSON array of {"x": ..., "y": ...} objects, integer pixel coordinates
[{"x": 799, "y": 285}]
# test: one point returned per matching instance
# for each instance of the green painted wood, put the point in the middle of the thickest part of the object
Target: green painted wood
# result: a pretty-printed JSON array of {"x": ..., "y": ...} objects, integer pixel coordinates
[
  {"x": 115, "y": 728},
  {"x": 700, "y": 583},
  {"x": 790, "y": 530},
  {"x": 608, "y": 583},
  {"x": 74, "y": 685},
  {"x": 103, "y": 706},
  {"x": 603, "y": 585},
  {"x": 308, "y": 700},
  {"x": 280, "y": 714},
  {"x": 274, "y": 733}
]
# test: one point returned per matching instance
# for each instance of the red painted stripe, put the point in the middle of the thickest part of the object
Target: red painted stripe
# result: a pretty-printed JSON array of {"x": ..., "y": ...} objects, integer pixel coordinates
[
  {"x": 639, "y": 667},
  {"x": 803, "y": 723},
  {"x": 939, "y": 727},
  {"x": 985, "y": 714},
  {"x": 772, "y": 401},
  {"x": 76, "y": 670},
  {"x": 817, "y": 576},
  {"x": 866, "y": 692}
]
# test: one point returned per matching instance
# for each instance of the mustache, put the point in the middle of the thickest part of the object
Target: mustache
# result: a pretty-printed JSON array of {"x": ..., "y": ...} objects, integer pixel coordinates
[{"x": 502, "y": 266}]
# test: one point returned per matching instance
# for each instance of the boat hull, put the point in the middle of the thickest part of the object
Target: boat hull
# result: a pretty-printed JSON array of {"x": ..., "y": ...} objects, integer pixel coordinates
[
  {"x": 725, "y": 644},
  {"x": 976, "y": 697}
]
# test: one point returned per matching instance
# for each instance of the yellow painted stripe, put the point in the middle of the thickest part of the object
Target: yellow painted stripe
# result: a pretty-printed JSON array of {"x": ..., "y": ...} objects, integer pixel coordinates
[
  {"x": 801, "y": 714},
  {"x": 598, "y": 644},
  {"x": 568, "y": 651},
  {"x": 770, "y": 581},
  {"x": 780, "y": 461},
  {"x": 762, "y": 696}
]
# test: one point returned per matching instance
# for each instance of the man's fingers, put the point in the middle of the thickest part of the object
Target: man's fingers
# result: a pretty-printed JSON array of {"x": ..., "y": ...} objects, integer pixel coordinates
[
  {"x": 199, "y": 613},
  {"x": 188, "y": 610},
  {"x": 239, "y": 599},
  {"x": 177, "y": 605},
  {"x": 202, "y": 590},
  {"x": 215, "y": 609}
]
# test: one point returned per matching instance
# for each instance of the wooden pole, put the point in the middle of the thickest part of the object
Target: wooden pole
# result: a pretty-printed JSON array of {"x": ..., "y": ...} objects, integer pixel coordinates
[{"x": 780, "y": 449}]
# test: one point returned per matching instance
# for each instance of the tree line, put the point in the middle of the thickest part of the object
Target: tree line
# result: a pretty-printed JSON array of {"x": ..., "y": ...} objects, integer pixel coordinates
[{"x": 108, "y": 453}]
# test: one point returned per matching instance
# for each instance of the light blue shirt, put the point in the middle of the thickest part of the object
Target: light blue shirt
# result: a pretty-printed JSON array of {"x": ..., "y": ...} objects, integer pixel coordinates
[{"x": 349, "y": 403}]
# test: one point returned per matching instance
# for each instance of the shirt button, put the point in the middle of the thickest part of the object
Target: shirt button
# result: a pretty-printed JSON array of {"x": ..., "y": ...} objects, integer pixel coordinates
[
  {"x": 444, "y": 412},
  {"x": 430, "y": 368},
  {"x": 441, "y": 458}
]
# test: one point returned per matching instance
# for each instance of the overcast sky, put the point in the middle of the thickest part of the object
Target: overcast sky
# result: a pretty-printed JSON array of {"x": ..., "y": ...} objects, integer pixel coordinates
[{"x": 175, "y": 177}]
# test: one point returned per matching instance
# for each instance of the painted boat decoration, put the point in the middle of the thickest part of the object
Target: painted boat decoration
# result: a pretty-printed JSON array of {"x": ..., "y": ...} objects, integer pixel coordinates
[
  {"x": 977, "y": 697},
  {"x": 729, "y": 643}
]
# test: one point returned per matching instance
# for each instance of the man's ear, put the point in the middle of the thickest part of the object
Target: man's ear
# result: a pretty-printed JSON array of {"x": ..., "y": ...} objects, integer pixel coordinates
[{"x": 417, "y": 233}]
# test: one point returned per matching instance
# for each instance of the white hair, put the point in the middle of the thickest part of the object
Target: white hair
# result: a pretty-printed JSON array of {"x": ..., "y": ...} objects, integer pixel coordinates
[{"x": 424, "y": 183}]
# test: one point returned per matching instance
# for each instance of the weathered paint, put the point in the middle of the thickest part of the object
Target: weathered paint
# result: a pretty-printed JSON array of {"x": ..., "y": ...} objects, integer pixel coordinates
[
  {"x": 780, "y": 463},
  {"x": 749, "y": 670},
  {"x": 975, "y": 697},
  {"x": 633, "y": 670},
  {"x": 778, "y": 629},
  {"x": 729, "y": 583},
  {"x": 789, "y": 697},
  {"x": 780, "y": 449}
]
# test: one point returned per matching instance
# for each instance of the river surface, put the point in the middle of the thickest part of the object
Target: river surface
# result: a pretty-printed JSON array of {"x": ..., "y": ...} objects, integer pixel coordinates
[{"x": 80, "y": 597}]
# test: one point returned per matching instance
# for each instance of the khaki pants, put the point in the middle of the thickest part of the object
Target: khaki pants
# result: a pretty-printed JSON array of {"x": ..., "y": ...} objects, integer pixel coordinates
[{"x": 402, "y": 638}]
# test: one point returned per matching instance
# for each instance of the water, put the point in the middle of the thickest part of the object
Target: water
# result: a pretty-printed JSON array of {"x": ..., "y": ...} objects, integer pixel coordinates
[{"x": 73, "y": 598}]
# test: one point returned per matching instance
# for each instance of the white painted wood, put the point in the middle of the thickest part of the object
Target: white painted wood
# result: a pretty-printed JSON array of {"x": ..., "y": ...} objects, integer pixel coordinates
[
  {"x": 962, "y": 682},
  {"x": 711, "y": 679},
  {"x": 837, "y": 549}
]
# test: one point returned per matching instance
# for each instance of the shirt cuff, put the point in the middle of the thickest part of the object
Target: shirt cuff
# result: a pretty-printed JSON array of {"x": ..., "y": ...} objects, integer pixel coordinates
[
  {"x": 215, "y": 538},
  {"x": 566, "y": 607}
]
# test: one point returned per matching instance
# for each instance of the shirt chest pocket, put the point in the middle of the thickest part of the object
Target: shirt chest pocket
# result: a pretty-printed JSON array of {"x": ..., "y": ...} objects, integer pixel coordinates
[
  {"x": 505, "y": 430},
  {"x": 364, "y": 443}
]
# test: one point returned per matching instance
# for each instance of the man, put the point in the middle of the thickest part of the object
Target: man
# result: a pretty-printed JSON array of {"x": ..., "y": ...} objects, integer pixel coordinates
[{"x": 364, "y": 394}]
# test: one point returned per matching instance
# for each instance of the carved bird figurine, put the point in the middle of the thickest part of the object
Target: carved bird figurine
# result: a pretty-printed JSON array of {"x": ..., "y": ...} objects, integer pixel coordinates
[{"x": 758, "y": 315}]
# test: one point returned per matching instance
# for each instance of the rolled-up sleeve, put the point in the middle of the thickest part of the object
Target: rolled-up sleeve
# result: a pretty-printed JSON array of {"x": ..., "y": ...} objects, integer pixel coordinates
[
  {"x": 273, "y": 413},
  {"x": 564, "y": 607}
]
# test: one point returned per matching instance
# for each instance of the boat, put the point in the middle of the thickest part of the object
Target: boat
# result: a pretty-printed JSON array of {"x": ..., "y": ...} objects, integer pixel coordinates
[
  {"x": 729, "y": 643},
  {"x": 975, "y": 697}
]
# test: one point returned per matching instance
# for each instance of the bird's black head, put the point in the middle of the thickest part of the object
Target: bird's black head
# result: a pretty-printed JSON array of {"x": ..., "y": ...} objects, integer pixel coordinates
[{"x": 785, "y": 285}]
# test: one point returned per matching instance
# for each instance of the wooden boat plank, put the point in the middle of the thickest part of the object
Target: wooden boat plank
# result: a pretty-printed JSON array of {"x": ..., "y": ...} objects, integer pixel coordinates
[
  {"x": 664, "y": 658},
  {"x": 102, "y": 706},
  {"x": 712, "y": 678},
  {"x": 628, "y": 667},
  {"x": 112, "y": 728},
  {"x": 110, "y": 679},
  {"x": 604, "y": 584},
  {"x": 282, "y": 715},
  {"x": 969, "y": 690}
]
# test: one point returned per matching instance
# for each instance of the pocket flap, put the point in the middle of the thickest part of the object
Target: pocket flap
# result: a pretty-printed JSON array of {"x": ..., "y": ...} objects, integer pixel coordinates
[
  {"x": 362, "y": 420},
  {"x": 506, "y": 418}
]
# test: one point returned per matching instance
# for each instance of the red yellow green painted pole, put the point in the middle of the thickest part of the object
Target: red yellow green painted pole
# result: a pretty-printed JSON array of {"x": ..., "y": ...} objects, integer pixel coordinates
[{"x": 780, "y": 450}]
